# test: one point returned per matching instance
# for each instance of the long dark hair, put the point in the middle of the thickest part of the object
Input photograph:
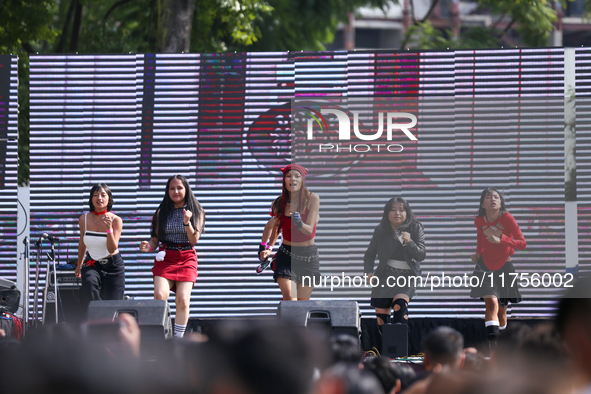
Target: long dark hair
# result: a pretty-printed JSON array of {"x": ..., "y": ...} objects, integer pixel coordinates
[
  {"x": 95, "y": 189},
  {"x": 410, "y": 217},
  {"x": 166, "y": 207},
  {"x": 278, "y": 206},
  {"x": 485, "y": 192}
]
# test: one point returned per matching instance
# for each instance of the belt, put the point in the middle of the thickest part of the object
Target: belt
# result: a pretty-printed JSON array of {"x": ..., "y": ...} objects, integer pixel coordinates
[
  {"x": 177, "y": 247},
  {"x": 399, "y": 270},
  {"x": 295, "y": 256},
  {"x": 400, "y": 264},
  {"x": 92, "y": 263}
]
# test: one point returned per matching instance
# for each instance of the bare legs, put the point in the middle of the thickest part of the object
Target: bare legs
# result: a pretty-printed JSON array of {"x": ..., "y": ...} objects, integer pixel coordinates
[
  {"x": 162, "y": 288},
  {"x": 292, "y": 291}
]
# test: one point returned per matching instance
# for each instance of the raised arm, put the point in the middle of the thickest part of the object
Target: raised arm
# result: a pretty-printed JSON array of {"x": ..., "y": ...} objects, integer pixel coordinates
[
  {"x": 314, "y": 203},
  {"x": 192, "y": 233},
  {"x": 114, "y": 228},
  {"x": 415, "y": 247},
  {"x": 518, "y": 240}
]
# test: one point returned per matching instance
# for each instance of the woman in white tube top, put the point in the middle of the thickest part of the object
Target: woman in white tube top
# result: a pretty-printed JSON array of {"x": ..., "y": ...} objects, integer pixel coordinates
[{"x": 99, "y": 262}]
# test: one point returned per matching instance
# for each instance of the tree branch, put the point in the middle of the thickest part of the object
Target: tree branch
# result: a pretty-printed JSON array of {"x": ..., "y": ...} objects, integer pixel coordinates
[
  {"x": 27, "y": 47},
  {"x": 115, "y": 6},
  {"x": 507, "y": 29},
  {"x": 500, "y": 20},
  {"x": 150, "y": 22},
  {"x": 65, "y": 30},
  {"x": 412, "y": 12},
  {"x": 76, "y": 26},
  {"x": 433, "y": 4}
]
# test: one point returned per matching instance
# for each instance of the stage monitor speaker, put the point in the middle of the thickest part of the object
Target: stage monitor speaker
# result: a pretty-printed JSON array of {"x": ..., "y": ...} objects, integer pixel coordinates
[
  {"x": 337, "y": 317},
  {"x": 395, "y": 340},
  {"x": 153, "y": 316},
  {"x": 9, "y": 295},
  {"x": 70, "y": 308}
]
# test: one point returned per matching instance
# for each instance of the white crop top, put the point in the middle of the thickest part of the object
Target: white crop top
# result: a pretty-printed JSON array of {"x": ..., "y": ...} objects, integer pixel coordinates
[{"x": 96, "y": 243}]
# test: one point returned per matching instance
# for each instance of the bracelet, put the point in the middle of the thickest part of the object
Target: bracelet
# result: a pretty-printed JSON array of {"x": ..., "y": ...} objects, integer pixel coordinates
[
  {"x": 270, "y": 247},
  {"x": 108, "y": 231},
  {"x": 150, "y": 245},
  {"x": 187, "y": 225},
  {"x": 264, "y": 243}
]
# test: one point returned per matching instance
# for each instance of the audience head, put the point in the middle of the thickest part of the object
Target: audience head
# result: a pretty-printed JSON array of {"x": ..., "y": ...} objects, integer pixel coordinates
[
  {"x": 443, "y": 348},
  {"x": 405, "y": 373},
  {"x": 573, "y": 322},
  {"x": 345, "y": 348},
  {"x": 348, "y": 378},
  {"x": 386, "y": 373},
  {"x": 257, "y": 358}
]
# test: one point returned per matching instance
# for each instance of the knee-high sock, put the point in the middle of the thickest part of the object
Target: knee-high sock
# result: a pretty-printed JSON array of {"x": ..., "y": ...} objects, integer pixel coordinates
[
  {"x": 492, "y": 329},
  {"x": 400, "y": 315}
]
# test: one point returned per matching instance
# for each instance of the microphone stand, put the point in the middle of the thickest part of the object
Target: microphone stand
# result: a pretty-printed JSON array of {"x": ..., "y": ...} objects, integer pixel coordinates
[
  {"x": 36, "y": 299},
  {"x": 26, "y": 294},
  {"x": 55, "y": 287}
]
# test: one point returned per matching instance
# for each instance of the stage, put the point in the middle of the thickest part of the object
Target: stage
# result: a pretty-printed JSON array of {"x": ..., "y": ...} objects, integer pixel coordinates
[{"x": 473, "y": 330}]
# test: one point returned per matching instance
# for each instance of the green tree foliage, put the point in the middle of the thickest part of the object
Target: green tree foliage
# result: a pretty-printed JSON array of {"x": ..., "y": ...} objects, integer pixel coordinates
[
  {"x": 122, "y": 26},
  {"x": 532, "y": 20},
  {"x": 222, "y": 25},
  {"x": 24, "y": 23},
  {"x": 306, "y": 24},
  {"x": 25, "y": 26}
]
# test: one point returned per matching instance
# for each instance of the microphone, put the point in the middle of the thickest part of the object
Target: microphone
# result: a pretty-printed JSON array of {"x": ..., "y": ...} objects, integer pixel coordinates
[{"x": 50, "y": 237}]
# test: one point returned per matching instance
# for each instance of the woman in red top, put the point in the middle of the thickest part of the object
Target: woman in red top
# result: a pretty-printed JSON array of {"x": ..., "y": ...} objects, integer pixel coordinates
[
  {"x": 295, "y": 214},
  {"x": 498, "y": 236}
]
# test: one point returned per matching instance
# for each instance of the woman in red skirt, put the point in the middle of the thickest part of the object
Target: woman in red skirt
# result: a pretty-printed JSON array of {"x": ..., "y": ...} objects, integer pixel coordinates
[{"x": 176, "y": 227}]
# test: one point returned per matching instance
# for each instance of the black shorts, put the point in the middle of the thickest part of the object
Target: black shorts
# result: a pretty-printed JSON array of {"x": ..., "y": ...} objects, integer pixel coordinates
[
  {"x": 296, "y": 263},
  {"x": 500, "y": 286},
  {"x": 383, "y": 295}
]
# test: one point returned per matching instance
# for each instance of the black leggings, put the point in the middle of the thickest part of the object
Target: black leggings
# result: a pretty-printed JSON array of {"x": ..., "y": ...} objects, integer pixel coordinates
[{"x": 102, "y": 281}]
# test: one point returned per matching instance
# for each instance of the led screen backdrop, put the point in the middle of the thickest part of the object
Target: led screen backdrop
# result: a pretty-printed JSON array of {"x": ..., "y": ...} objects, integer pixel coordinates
[
  {"x": 8, "y": 165},
  {"x": 223, "y": 120},
  {"x": 583, "y": 149}
]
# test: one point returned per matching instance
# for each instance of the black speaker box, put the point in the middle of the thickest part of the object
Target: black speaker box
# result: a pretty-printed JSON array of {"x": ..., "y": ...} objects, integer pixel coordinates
[
  {"x": 70, "y": 309},
  {"x": 337, "y": 317},
  {"x": 9, "y": 295},
  {"x": 153, "y": 316},
  {"x": 395, "y": 340}
]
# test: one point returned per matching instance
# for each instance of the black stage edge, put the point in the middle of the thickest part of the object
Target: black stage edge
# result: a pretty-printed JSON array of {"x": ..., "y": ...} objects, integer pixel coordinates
[{"x": 473, "y": 329}]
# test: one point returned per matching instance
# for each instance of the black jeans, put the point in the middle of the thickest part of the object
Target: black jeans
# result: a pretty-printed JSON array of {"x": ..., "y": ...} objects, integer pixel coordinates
[{"x": 102, "y": 279}]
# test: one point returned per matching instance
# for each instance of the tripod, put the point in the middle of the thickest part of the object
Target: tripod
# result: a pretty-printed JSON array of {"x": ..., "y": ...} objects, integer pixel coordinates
[{"x": 51, "y": 271}]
